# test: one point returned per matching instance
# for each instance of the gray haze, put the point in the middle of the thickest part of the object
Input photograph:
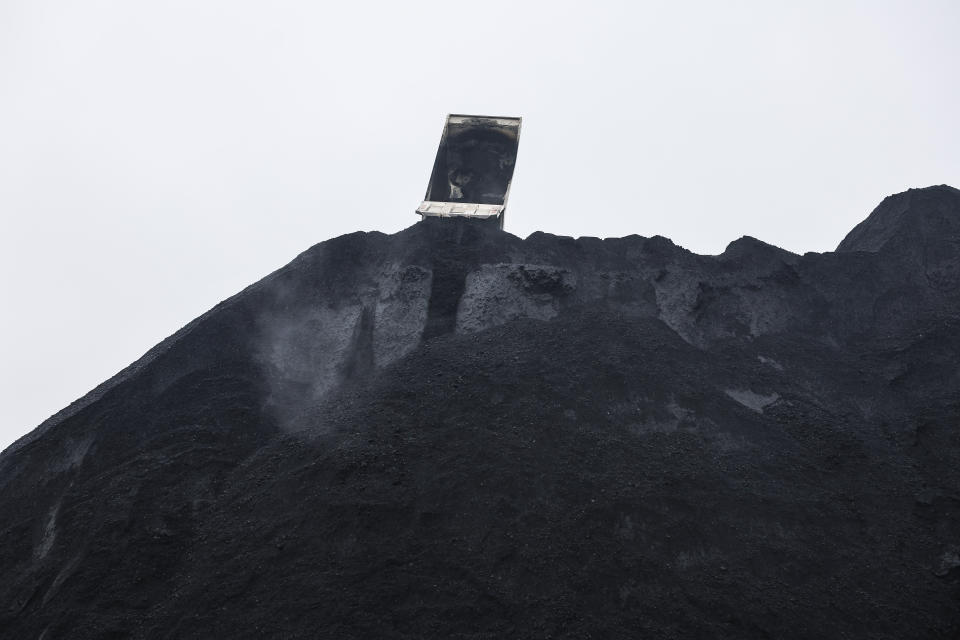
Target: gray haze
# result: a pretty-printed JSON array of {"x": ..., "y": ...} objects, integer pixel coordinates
[{"x": 157, "y": 157}]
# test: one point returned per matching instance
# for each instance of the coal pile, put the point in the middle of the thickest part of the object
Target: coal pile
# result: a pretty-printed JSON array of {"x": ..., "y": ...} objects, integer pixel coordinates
[{"x": 451, "y": 432}]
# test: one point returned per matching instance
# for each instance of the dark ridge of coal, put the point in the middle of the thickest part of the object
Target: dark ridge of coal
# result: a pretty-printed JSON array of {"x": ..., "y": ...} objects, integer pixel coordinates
[
  {"x": 926, "y": 215},
  {"x": 453, "y": 432}
]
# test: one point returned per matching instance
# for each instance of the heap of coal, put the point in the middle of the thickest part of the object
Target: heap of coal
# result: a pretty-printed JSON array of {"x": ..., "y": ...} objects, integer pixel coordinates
[{"x": 454, "y": 433}]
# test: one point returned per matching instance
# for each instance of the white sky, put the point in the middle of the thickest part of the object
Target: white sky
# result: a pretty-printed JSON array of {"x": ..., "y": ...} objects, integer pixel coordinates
[{"x": 157, "y": 157}]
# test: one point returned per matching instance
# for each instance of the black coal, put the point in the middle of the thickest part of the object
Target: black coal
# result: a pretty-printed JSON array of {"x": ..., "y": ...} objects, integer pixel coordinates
[{"x": 452, "y": 432}]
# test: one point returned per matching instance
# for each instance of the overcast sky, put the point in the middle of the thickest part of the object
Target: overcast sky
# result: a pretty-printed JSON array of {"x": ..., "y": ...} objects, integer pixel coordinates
[{"x": 157, "y": 157}]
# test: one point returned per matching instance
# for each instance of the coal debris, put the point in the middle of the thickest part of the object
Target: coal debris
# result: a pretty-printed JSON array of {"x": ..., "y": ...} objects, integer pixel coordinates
[{"x": 453, "y": 432}]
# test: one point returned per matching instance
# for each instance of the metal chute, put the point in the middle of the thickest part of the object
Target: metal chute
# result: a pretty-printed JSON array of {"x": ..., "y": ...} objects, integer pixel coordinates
[{"x": 474, "y": 167}]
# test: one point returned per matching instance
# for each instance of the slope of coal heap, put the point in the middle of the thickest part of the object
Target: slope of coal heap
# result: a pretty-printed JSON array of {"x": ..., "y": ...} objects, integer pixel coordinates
[{"x": 452, "y": 432}]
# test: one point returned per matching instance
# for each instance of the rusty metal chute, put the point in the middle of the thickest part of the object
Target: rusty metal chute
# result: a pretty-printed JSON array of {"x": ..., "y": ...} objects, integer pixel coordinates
[{"x": 473, "y": 169}]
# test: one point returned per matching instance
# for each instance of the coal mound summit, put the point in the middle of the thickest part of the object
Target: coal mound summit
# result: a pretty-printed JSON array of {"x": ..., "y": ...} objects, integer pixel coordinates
[{"x": 451, "y": 432}]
